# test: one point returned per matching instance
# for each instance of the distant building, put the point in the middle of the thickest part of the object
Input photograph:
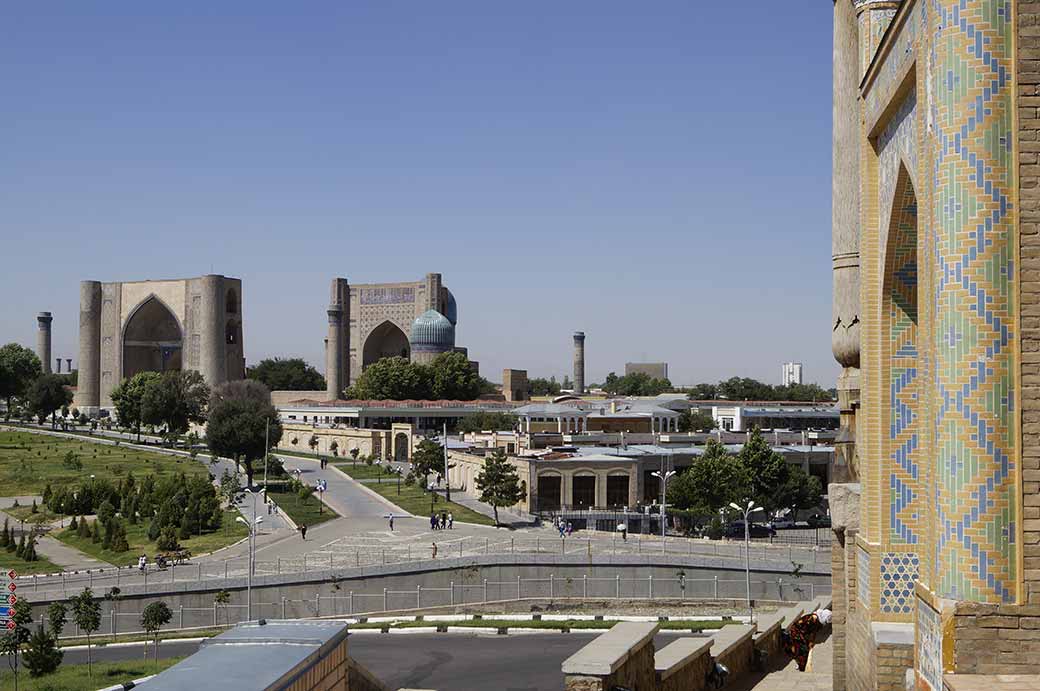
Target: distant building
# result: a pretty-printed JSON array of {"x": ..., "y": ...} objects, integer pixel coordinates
[
  {"x": 790, "y": 373},
  {"x": 654, "y": 370}
]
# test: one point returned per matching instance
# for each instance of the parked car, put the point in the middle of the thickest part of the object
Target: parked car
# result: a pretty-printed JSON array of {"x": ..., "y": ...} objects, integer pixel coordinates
[
  {"x": 819, "y": 521},
  {"x": 782, "y": 523},
  {"x": 736, "y": 530}
]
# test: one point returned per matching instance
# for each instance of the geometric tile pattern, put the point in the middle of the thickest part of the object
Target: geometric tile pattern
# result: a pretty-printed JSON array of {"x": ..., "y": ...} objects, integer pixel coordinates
[
  {"x": 929, "y": 645},
  {"x": 900, "y": 334},
  {"x": 863, "y": 577},
  {"x": 898, "y": 575},
  {"x": 973, "y": 225}
]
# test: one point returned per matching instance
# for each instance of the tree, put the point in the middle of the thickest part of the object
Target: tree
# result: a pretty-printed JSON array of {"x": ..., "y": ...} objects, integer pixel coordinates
[
  {"x": 703, "y": 392},
  {"x": 392, "y": 378},
  {"x": 46, "y": 396},
  {"x": 453, "y": 378},
  {"x": 128, "y": 397},
  {"x": 57, "y": 615},
  {"x": 539, "y": 386},
  {"x": 801, "y": 491},
  {"x": 498, "y": 482},
  {"x": 241, "y": 423},
  {"x": 230, "y": 488},
  {"x": 766, "y": 470},
  {"x": 478, "y": 422},
  {"x": 154, "y": 617},
  {"x": 42, "y": 655},
  {"x": 291, "y": 374},
  {"x": 175, "y": 400},
  {"x": 427, "y": 459},
  {"x": 86, "y": 613},
  {"x": 714, "y": 480},
  {"x": 19, "y": 367},
  {"x": 695, "y": 421},
  {"x": 222, "y": 599},
  {"x": 12, "y": 641}
]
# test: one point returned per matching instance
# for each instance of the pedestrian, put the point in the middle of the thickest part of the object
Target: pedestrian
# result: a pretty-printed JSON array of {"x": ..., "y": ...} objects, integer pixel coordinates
[
  {"x": 303, "y": 531},
  {"x": 433, "y": 521},
  {"x": 444, "y": 520},
  {"x": 570, "y": 529},
  {"x": 451, "y": 521},
  {"x": 433, "y": 550},
  {"x": 800, "y": 636},
  {"x": 142, "y": 562},
  {"x": 391, "y": 523}
]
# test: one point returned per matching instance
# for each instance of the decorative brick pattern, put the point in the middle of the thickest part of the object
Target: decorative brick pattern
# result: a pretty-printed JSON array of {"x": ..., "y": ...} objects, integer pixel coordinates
[
  {"x": 863, "y": 579},
  {"x": 970, "y": 63},
  {"x": 929, "y": 646},
  {"x": 899, "y": 572}
]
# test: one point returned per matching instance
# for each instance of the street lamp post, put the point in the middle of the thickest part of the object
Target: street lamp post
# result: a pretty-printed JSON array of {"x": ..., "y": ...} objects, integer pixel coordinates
[
  {"x": 747, "y": 511},
  {"x": 252, "y": 554},
  {"x": 663, "y": 477}
]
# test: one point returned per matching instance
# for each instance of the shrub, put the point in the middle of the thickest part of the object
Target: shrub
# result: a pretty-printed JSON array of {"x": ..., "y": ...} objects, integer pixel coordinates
[{"x": 167, "y": 541}]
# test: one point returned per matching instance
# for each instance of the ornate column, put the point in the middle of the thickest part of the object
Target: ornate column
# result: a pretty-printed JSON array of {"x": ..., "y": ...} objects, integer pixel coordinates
[
  {"x": 88, "y": 388},
  {"x": 973, "y": 223}
]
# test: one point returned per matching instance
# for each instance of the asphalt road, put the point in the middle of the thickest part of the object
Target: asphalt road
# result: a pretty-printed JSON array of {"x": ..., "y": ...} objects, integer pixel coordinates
[{"x": 460, "y": 662}]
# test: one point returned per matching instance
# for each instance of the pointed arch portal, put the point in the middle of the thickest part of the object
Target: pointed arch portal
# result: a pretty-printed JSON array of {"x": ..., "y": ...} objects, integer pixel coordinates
[
  {"x": 386, "y": 340},
  {"x": 152, "y": 339}
]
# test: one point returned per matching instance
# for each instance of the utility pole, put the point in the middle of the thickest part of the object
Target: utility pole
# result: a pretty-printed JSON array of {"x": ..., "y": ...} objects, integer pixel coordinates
[
  {"x": 447, "y": 481},
  {"x": 267, "y": 450}
]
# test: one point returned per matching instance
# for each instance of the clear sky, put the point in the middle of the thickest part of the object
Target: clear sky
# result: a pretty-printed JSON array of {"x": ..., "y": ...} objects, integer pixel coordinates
[{"x": 655, "y": 174}]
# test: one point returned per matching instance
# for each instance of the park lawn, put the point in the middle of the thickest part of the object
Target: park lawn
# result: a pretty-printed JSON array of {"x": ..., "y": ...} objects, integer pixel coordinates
[
  {"x": 137, "y": 536},
  {"x": 302, "y": 512},
  {"x": 74, "y": 677},
  {"x": 28, "y": 462},
  {"x": 24, "y": 513},
  {"x": 9, "y": 561},
  {"x": 413, "y": 500},
  {"x": 362, "y": 471}
]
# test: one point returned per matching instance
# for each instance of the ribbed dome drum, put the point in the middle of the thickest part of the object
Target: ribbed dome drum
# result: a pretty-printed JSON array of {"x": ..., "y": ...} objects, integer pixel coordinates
[{"x": 432, "y": 333}]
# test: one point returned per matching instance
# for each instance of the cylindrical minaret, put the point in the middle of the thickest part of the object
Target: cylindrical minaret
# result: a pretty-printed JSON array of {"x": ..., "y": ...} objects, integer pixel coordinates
[
  {"x": 43, "y": 340},
  {"x": 212, "y": 358},
  {"x": 88, "y": 386},
  {"x": 337, "y": 354},
  {"x": 579, "y": 362}
]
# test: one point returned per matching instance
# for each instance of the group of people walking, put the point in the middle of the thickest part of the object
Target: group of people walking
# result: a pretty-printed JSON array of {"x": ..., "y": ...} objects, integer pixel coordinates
[
  {"x": 563, "y": 526},
  {"x": 445, "y": 521}
]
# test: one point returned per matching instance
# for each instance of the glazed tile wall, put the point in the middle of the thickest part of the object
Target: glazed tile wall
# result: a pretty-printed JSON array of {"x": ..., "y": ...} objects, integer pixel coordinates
[
  {"x": 929, "y": 645},
  {"x": 970, "y": 64},
  {"x": 898, "y": 574}
]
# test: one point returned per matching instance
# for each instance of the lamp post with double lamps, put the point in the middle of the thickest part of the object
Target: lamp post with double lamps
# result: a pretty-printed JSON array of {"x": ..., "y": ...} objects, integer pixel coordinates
[
  {"x": 746, "y": 511},
  {"x": 663, "y": 477},
  {"x": 252, "y": 526}
]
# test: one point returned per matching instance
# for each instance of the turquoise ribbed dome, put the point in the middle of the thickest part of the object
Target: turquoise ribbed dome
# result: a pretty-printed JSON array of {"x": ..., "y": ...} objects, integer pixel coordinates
[{"x": 432, "y": 331}]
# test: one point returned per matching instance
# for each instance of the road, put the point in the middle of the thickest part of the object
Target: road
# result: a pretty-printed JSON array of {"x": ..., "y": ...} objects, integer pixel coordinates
[
  {"x": 460, "y": 662},
  {"x": 347, "y": 497}
]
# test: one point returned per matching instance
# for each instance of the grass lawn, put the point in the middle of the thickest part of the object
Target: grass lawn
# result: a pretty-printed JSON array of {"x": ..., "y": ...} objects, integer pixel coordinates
[
  {"x": 413, "y": 500},
  {"x": 361, "y": 471},
  {"x": 74, "y": 677},
  {"x": 9, "y": 561},
  {"x": 303, "y": 512},
  {"x": 25, "y": 514},
  {"x": 137, "y": 535},
  {"x": 29, "y": 461}
]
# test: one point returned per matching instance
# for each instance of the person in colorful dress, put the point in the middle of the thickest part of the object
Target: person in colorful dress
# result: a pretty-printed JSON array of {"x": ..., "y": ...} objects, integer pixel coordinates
[{"x": 800, "y": 636}]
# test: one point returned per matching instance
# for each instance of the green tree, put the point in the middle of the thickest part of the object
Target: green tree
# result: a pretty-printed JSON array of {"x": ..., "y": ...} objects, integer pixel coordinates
[
  {"x": 427, "y": 459},
  {"x": 801, "y": 491},
  {"x": 128, "y": 398},
  {"x": 695, "y": 421},
  {"x": 13, "y": 639},
  {"x": 479, "y": 422},
  {"x": 499, "y": 483},
  {"x": 703, "y": 392},
  {"x": 19, "y": 368},
  {"x": 291, "y": 374},
  {"x": 42, "y": 654},
  {"x": 539, "y": 386},
  {"x": 154, "y": 617},
  {"x": 453, "y": 378},
  {"x": 175, "y": 400},
  {"x": 714, "y": 480},
  {"x": 46, "y": 395},
  {"x": 766, "y": 470},
  {"x": 222, "y": 599},
  {"x": 86, "y": 613},
  {"x": 392, "y": 378},
  {"x": 57, "y": 615},
  {"x": 239, "y": 415}
]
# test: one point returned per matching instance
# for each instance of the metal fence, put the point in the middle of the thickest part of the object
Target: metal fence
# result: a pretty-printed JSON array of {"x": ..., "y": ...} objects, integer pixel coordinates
[
  {"x": 115, "y": 620},
  {"x": 360, "y": 552}
]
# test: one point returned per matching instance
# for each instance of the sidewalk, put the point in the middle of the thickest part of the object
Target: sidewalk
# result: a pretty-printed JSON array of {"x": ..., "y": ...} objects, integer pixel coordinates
[{"x": 507, "y": 517}]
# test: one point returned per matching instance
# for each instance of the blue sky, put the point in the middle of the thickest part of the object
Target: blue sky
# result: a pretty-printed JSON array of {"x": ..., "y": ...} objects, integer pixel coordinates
[{"x": 655, "y": 174}]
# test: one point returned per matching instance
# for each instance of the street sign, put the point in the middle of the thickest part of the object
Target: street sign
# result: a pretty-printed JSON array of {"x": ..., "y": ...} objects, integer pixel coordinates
[
  {"x": 12, "y": 587},
  {"x": 11, "y": 599},
  {"x": 10, "y": 626},
  {"x": 12, "y": 574}
]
